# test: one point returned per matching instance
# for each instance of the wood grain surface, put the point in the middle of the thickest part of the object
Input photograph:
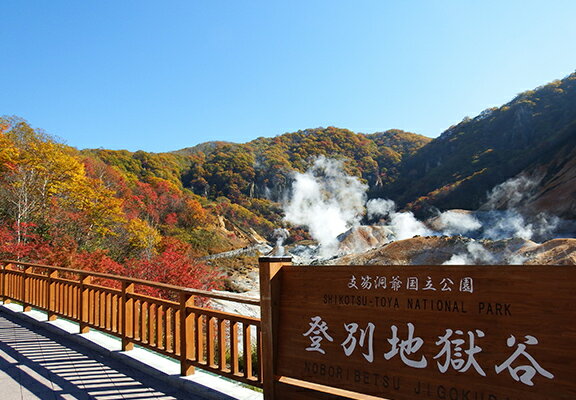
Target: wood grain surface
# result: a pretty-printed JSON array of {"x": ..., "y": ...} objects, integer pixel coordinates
[{"x": 468, "y": 339}]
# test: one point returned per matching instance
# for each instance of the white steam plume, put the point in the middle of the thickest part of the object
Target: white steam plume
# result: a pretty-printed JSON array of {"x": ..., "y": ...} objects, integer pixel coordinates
[
  {"x": 379, "y": 208},
  {"x": 403, "y": 224},
  {"x": 511, "y": 193},
  {"x": 508, "y": 224},
  {"x": 457, "y": 223},
  {"x": 327, "y": 202},
  {"x": 406, "y": 226},
  {"x": 477, "y": 254},
  {"x": 511, "y": 196},
  {"x": 280, "y": 234}
]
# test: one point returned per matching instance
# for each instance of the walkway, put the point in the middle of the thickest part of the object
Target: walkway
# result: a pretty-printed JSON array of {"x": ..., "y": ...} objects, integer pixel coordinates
[{"x": 36, "y": 363}]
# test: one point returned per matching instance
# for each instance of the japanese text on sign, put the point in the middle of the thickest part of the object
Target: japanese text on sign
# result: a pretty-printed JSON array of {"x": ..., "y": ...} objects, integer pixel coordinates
[
  {"x": 457, "y": 349},
  {"x": 396, "y": 283}
]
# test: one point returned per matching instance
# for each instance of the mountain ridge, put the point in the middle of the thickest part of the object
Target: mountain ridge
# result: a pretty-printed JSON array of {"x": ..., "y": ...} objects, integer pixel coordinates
[
  {"x": 136, "y": 213},
  {"x": 458, "y": 169},
  {"x": 527, "y": 135},
  {"x": 455, "y": 170}
]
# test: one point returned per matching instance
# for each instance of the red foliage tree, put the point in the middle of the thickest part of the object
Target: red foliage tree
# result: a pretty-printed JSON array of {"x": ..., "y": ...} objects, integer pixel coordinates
[
  {"x": 174, "y": 265},
  {"x": 98, "y": 261},
  {"x": 23, "y": 244}
]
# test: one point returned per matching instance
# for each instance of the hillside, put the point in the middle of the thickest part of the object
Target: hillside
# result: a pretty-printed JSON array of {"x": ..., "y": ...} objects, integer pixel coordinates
[
  {"x": 244, "y": 182},
  {"x": 59, "y": 206},
  {"x": 556, "y": 191},
  {"x": 155, "y": 215},
  {"x": 534, "y": 134},
  {"x": 262, "y": 168}
]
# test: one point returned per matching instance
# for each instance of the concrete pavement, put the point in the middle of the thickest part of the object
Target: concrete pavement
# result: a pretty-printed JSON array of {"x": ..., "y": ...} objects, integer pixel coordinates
[{"x": 41, "y": 360}]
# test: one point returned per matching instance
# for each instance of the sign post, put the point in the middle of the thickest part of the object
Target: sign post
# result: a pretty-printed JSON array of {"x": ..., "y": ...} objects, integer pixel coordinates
[
  {"x": 269, "y": 291},
  {"x": 419, "y": 332}
]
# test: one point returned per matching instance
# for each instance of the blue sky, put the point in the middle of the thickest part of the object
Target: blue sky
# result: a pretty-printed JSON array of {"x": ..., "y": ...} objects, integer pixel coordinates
[{"x": 164, "y": 75}]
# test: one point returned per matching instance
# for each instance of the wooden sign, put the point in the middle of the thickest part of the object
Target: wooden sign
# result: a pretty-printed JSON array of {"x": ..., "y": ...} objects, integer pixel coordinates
[{"x": 427, "y": 332}]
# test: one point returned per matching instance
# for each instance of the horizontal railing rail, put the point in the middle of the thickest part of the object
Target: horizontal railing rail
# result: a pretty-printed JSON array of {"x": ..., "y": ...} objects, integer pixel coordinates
[{"x": 178, "y": 327}]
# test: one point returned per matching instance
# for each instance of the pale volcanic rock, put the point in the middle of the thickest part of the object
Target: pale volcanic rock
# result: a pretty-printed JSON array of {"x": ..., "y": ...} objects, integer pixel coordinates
[
  {"x": 417, "y": 250},
  {"x": 363, "y": 238},
  {"x": 552, "y": 252},
  {"x": 436, "y": 250}
]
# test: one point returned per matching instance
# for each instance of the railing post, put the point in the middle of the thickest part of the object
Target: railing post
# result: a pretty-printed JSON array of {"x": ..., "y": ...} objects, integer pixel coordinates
[
  {"x": 127, "y": 316},
  {"x": 186, "y": 334},
  {"x": 83, "y": 303},
  {"x": 5, "y": 268},
  {"x": 269, "y": 285},
  {"x": 51, "y": 295},
  {"x": 3, "y": 283},
  {"x": 26, "y": 289},
  {"x": 247, "y": 350}
]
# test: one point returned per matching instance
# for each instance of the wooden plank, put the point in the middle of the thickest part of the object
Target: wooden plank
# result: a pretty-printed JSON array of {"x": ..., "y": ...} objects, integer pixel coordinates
[
  {"x": 103, "y": 289},
  {"x": 36, "y": 292},
  {"x": 96, "y": 308},
  {"x": 186, "y": 334},
  {"x": 38, "y": 301},
  {"x": 90, "y": 306},
  {"x": 200, "y": 325},
  {"x": 169, "y": 330},
  {"x": 159, "y": 285},
  {"x": 211, "y": 335},
  {"x": 247, "y": 350},
  {"x": 116, "y": 310},
  {"x": 109, "y": 311},
  {"x": 160, "y": 336},
  {"x": 196, "y": 335},
  {"x": 152, "y": 325},
  {"x": 259, "y": 351},
  {"x": 3, "y": 282},
  {"x": 7, "y": 279},
  {"x": 136, "y": 322},
  {"x": 222, "y": 345},
  {"x": 72, "y": 302},
  {"x": 61, "y": 299},
  {"x": 32, "y": 290},
  {"x": 176, "y": 330},
  {"x": 269, "y": 292},
  {"x": 127, "y": 316},
  {"x": 154, "y": 300},
  {"x": 64, "y": 299},
  {"x": 43, "y": 294},
  {"x": 102, "y": 296},
  {"x": 234, "y": 354},
  {"x": 84, "y": 303},
  {"x": 26, "y": 289},
  {"x": 221, "y": 314},
  {"x": 143, "y": 317}
]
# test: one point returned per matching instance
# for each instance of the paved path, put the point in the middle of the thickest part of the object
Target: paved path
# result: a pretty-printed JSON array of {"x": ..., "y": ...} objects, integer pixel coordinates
[{"x": 37, "y": 364}]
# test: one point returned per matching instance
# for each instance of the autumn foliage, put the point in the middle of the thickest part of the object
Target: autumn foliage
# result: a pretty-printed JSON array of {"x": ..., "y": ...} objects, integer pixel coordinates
[
  {"x": 60, "y": 207},
  {"x": 153, "y": 215}
]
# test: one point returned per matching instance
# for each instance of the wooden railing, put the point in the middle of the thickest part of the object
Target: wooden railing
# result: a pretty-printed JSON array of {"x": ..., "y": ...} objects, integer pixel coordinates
[{"x": 223, "y": 343}]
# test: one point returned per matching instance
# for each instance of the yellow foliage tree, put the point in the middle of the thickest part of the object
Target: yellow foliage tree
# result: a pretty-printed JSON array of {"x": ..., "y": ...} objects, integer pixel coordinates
[
  {"x": 40, "y": 171},
  {"x": 143, "y": 237}
]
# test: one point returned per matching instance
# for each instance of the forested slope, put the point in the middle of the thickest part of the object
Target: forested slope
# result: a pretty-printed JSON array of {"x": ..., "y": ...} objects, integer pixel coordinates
[
  {"x": 153, "y": 215},
  {"x": 457, "y": 170}
]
